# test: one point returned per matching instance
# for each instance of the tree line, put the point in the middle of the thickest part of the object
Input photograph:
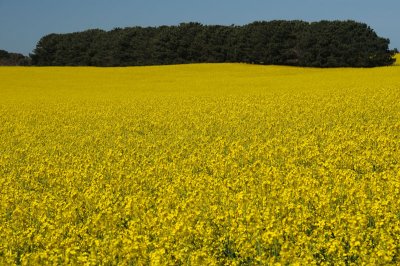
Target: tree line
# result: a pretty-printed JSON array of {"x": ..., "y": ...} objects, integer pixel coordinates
[
  {"x": 295, "y": 43},
  {"x": 13, "y": 59}
]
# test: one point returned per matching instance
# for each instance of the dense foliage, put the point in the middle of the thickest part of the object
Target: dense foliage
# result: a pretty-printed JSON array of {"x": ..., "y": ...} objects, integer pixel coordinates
[
  {"x": 13, "y": 59},
  {"x": 297, "y": 43},
  {"x": 210, "y": 164}
]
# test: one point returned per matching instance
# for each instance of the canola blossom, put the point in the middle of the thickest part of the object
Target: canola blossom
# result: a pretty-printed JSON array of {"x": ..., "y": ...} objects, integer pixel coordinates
[{"x": 203, "y": 164}]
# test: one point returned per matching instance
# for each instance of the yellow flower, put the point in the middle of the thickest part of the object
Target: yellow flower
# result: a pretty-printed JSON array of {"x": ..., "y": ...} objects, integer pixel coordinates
[{"x": 203, "y": 164}]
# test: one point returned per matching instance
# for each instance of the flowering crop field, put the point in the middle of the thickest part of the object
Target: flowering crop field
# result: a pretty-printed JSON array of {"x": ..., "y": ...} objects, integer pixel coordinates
[
  {"x": 397, "y": 57},
  {"x": 203, "y": 164}
]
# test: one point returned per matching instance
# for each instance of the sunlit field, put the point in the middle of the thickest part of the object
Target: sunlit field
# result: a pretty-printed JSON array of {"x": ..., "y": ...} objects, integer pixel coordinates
[
  {"x": 397, "y": 63},
  {"x": 204, "y": 164}
]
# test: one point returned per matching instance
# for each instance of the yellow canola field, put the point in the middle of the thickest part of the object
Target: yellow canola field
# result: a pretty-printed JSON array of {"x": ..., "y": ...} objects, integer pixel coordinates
[
  {"x": 204, "y": 164},
  {"x": 397, "y": 57}
]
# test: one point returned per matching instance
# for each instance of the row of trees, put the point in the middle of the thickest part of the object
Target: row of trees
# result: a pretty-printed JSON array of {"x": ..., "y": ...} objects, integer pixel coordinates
[
  {"x": 13, "y": 59},
  {"x": 297, "y": 43}
]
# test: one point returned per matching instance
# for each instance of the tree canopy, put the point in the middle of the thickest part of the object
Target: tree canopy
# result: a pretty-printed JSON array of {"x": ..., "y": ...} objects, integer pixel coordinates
[
  {"x": 295, "y": 43},
  {"x": 13, "y": 59}
]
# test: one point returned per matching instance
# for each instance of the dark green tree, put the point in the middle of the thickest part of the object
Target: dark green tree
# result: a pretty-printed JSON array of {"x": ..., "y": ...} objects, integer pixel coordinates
[{"x": 297, "y": 43}]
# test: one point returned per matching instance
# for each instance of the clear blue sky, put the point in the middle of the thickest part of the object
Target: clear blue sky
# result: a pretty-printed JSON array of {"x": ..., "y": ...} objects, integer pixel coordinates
[{"x": 24, "y": 22}]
